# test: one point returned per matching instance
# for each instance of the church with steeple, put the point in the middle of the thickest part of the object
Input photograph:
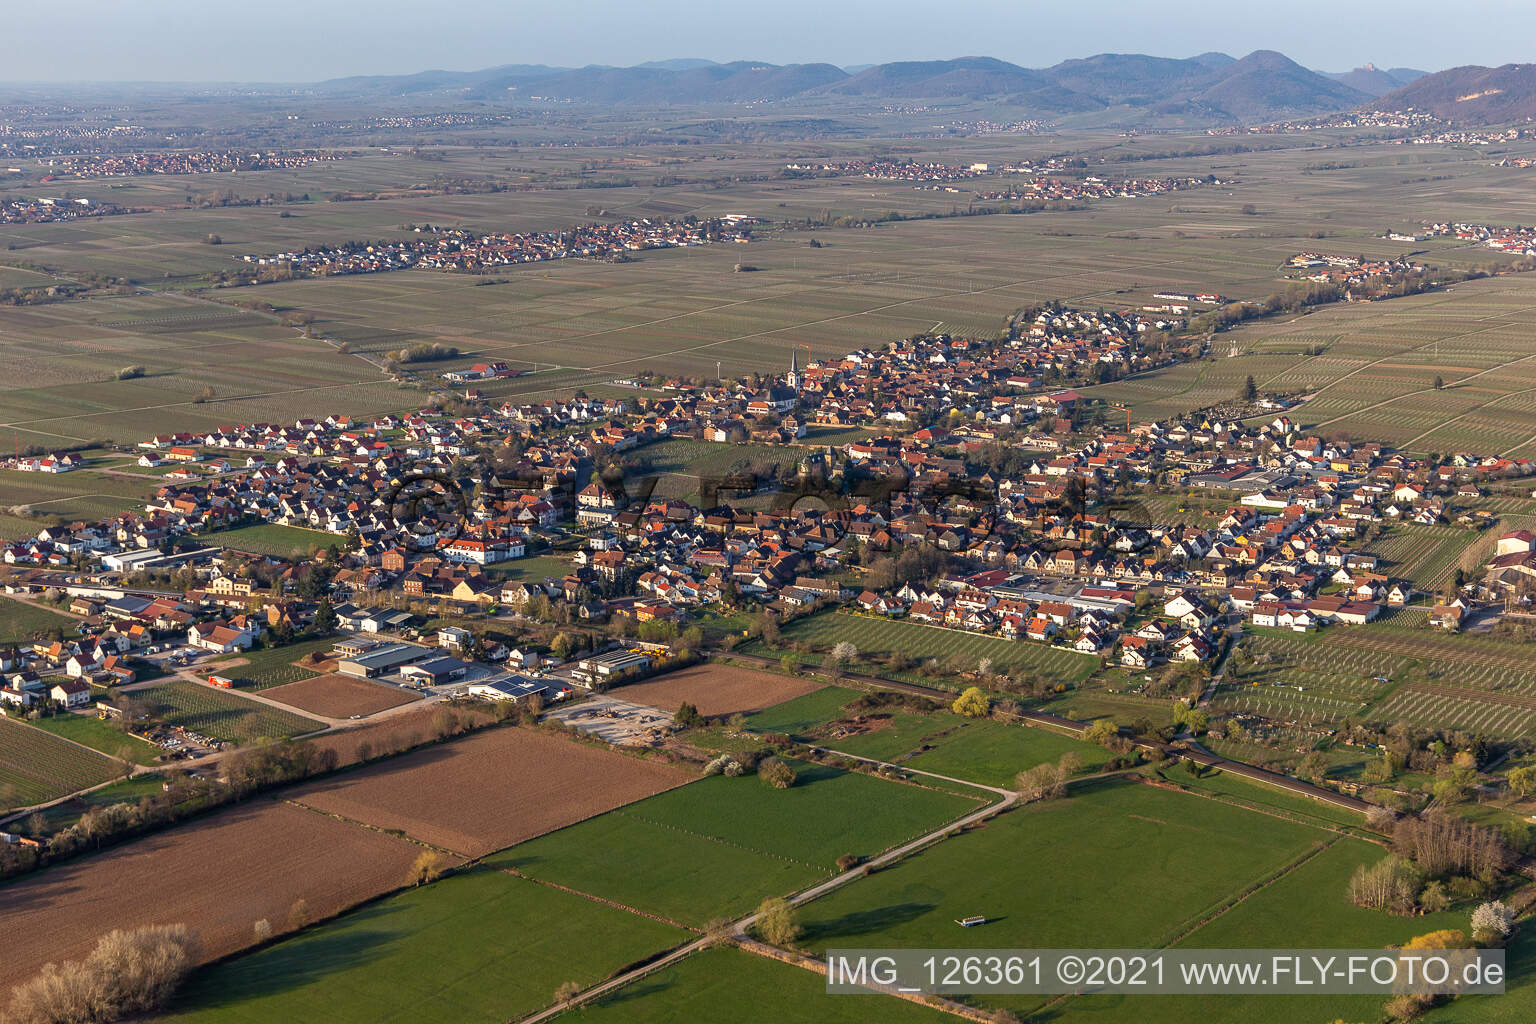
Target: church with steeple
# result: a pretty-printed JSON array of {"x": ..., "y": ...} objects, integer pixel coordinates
[{"x": 785, "y": 398}]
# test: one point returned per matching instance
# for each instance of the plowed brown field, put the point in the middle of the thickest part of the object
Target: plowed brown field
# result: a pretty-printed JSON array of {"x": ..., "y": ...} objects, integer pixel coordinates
[
  {"x": 217, "y": 876},
  {"x": 490, "y": 790},
  {"x": 716, "y": 689},
  {"x": 338, "y": 696}
]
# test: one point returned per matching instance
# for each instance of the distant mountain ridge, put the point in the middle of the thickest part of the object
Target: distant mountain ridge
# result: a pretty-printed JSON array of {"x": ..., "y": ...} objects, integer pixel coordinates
[
  {"x": 1471, "y": 95},
  {"x": 1211, "y": 87},
  {"x": 1373, "y": 81}
]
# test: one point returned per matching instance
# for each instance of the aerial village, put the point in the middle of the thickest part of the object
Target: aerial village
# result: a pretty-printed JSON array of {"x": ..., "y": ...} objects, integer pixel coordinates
[{"x": 1013, "y": 505}]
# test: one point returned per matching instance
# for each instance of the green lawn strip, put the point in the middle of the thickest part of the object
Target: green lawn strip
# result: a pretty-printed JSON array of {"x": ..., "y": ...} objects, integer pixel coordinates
[
  {"x": 729, "y": 984},
  {"x": 481, "y": 946},
  {"x": 979, "y": 750},
  {"x": 1271, "y": 799},
  {"x": 796, "y": 716},
  {"x": 92, "y": 732},
  {"x": 718, "y": 846},
  {"x": 273, "y": 539}
]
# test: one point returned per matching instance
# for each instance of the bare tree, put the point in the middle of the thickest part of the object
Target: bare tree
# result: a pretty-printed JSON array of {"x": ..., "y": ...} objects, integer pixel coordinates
[{"x": 129, "y": 972}]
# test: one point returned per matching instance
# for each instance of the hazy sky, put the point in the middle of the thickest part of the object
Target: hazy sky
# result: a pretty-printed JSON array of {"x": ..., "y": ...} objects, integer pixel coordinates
[{"x": 309, "y": 40}]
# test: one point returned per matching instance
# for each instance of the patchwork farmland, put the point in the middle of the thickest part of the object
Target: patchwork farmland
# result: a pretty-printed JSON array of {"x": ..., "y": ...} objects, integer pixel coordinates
[
  {"x": 718, "y": 846},
  {"x": 66, "y": 356},
  {"x": 486, "y": 877},
  {"x": 1368, "y": 370},
  {"x": 481, "y": 920}
]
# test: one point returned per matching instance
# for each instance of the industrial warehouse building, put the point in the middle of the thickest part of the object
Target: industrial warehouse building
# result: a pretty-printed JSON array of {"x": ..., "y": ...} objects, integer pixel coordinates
[{"x": 380, "y": 660}]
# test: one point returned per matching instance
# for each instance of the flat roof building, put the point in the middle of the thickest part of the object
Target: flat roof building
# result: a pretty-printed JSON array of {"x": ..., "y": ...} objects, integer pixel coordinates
[{"x": 381, "y": 660}]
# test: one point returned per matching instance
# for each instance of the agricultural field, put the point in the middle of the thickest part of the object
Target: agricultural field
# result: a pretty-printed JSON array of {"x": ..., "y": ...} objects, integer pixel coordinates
[
  {"x": 1397, "y": 669},
  {"x": 1472, "y": 660},
  {"x": 339, "y": 696},
  {"x": 730, "y": 984},
  {"x": 1304, "y": 907},
  {"x": 1451, "y": 707},
  {"x": 717, "y": 689},
  {"x": 1426, "y": 555},
  {"x": 278, "y": 852},
  {"x": 1297, "y": 678},
  {"x": 511, "y": 942},
  {"x": 219, "y": 713},
  {"x": 64, "y": 388},
  {"x": 37, "y": 766},
  {"x": 1464, "y": 682},
  {"x": 1117, "y": 863},
  {"x": 679, "y": 310},
  {"x": 489, "y": 790},
  {"x": 798, "y": 716},
  {"x": 1135, "y": 828},
  {"x": 1368, "y": 369},
  {"x": 1235, "y": 789},
  {"x": 977, "y": 750},
  {"x": 718, "y": 846},
  {"x": 1120, "y": 833},
  {"x": 20, "y": 621},
  {"x": 49, "y": 498},
  {"x": 88, "y": 730},
  {"x": 680, "y": 464},
  {"x": 273, "y": 539},
  {"x": 873, "y": 636}
]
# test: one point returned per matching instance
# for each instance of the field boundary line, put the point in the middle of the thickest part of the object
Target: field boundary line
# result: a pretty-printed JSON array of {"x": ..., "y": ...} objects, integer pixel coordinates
[
  {"x": 1264, "y": 882},
  {"x": 393, "y": 833},
  {"x": 1253, "y": 889},
  {"x": 810, "y": 963},
  {"x": 1300, "y": 818},
  {"x": 605, "y": 901},
  {"x": 714, "y": 839}
]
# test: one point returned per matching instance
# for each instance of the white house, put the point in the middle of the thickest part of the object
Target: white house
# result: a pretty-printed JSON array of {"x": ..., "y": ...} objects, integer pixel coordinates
[{"x": 72, "y": 694}]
